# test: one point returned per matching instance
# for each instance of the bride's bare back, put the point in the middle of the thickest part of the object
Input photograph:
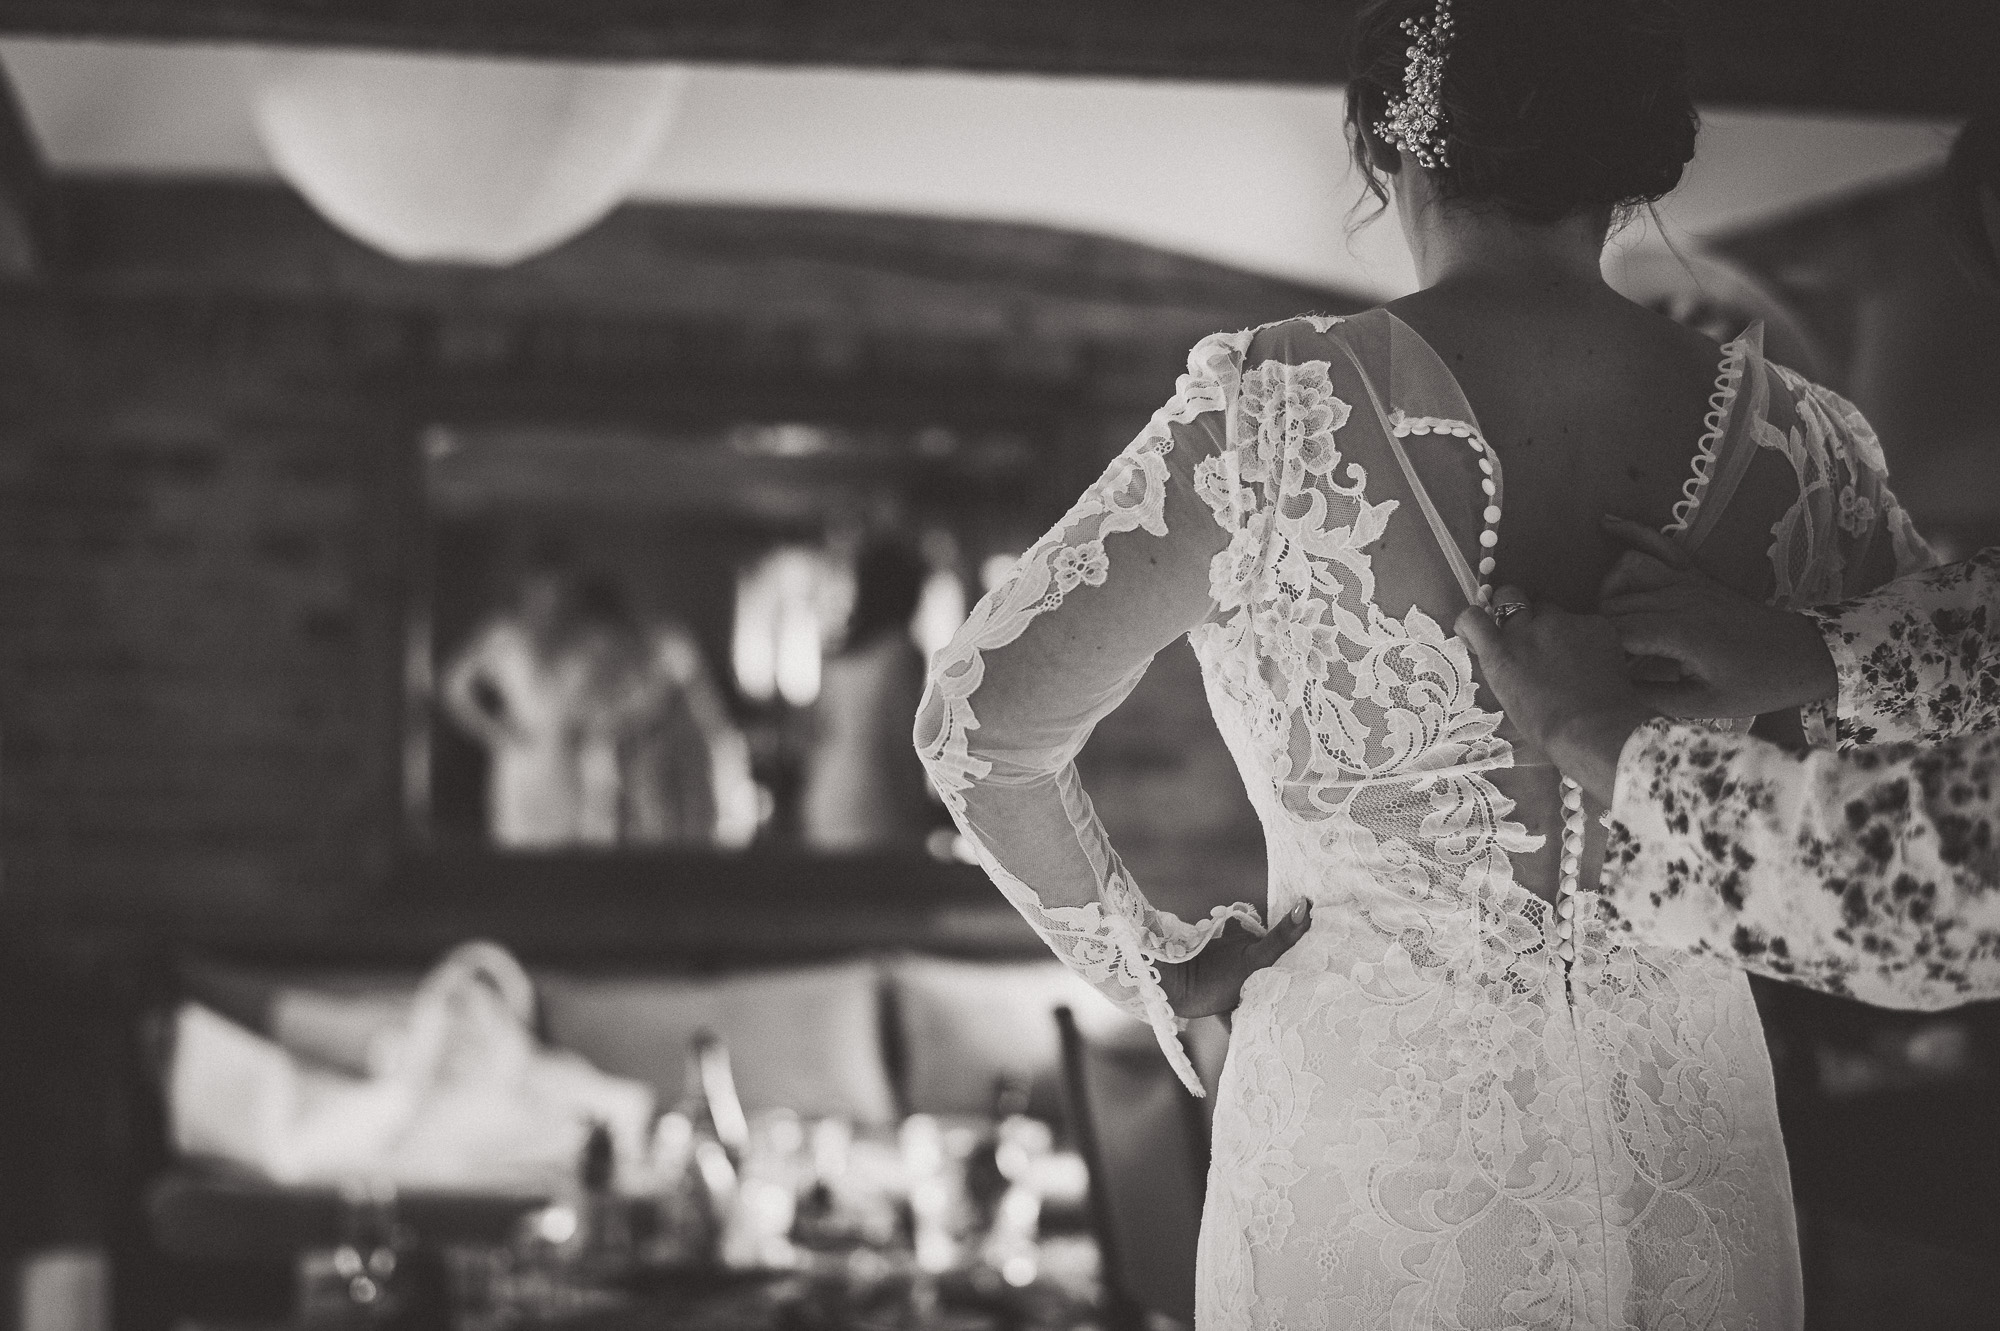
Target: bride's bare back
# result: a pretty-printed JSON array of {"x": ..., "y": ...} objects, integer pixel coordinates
[{"x": 1595, "y": 405}]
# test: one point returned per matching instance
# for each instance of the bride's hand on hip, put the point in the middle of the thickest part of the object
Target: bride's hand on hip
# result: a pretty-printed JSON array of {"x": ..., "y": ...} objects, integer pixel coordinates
[{"x": 1212, "y": 980}]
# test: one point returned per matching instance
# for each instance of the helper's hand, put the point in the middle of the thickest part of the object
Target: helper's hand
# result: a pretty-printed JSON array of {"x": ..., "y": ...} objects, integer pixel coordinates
[
  {"x": 1562, "y": 680},
  {"x": 1212, "y": 980},
  {"x": 1726, "y": 654}
]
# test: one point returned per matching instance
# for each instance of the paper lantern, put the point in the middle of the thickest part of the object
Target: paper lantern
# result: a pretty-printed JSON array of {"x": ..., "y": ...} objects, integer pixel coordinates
[{"x": 460, "y": 159}]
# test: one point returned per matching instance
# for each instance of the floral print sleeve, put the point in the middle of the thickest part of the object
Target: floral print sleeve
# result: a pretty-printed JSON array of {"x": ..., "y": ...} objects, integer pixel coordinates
[
  {"x": 1918, "y": 659},
  {"x": 1873, "y": 874}
]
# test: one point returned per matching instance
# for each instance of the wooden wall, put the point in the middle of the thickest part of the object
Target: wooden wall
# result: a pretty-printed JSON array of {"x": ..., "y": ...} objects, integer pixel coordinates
[
  {"x": 196, "y": 555},
  {"x": 1921, "y": 56}
]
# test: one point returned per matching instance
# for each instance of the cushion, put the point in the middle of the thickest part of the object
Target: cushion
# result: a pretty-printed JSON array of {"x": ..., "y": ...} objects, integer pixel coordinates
[
  {"x": 965, "y": 1024},
  {"x": 337, "y": 1029},
  {"x": 503, "y": 1117},
  {"x": 807, "y": 1039},
  {"x": 328, "y": 1016}
]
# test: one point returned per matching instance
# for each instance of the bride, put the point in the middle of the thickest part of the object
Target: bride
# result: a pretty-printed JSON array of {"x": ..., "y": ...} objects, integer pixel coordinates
[{"x": 1453, "y": 1102}]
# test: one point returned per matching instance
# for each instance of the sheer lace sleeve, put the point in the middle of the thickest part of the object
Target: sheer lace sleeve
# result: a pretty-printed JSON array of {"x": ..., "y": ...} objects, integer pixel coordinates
[
  {"x": 1053, "y": 649},
  {"x": 1846, "y": 533},
  {"x": 1920, "y": 658}
]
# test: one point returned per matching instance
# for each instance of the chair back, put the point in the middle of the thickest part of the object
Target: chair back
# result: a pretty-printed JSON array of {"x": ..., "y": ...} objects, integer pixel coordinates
[{"x": 1144, "y": 1140}]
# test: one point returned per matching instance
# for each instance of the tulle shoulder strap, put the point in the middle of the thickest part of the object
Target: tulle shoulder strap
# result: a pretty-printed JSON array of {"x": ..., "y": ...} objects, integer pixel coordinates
[{"x": 1424, "y": 397}]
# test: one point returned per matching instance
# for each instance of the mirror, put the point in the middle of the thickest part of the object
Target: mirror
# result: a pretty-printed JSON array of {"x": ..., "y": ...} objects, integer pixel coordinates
[{"x": 703, "y": 637}]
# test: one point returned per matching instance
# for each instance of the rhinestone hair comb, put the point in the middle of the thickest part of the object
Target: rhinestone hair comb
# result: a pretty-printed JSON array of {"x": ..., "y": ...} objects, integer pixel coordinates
[{"x": 1414, "y": 122}]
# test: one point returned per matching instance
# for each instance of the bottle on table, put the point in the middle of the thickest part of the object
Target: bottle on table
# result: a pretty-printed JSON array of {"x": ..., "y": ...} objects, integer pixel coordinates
[
  {"x": 986, "y": 1178},
  {"x": 1006, "y": 1198},
  {"x": 698, "y": 1148},
  {"x": 709, "y": 1098},
  {"x": 758, "y": 1235},
  {"x": 604, "y": 1224}
]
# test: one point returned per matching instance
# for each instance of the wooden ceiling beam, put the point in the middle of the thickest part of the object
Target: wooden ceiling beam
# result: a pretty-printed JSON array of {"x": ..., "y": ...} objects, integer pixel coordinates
[
  {"x": 1929, "y": 57},
  {"x": 30, "y": 211},
  {"x": 811, "y": 272}
]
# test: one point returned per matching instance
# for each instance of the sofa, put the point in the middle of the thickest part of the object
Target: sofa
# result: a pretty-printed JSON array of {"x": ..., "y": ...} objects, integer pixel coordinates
[
  {"x": 874, "y": 1034},
  {"x": 869, "y": 1038}
]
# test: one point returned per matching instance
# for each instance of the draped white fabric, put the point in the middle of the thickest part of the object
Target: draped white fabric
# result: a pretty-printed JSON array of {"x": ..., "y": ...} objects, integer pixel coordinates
[{"x": 1427, "y": 1120}]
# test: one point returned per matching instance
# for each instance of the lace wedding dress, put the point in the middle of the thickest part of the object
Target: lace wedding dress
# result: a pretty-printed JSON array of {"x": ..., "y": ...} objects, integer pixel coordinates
[{"x": 1453, "y": 1104}]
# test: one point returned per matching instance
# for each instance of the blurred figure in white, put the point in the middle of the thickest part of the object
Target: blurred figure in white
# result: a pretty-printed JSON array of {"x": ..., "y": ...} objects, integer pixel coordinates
[
  {"x": 864, "y": 788},
  {"x": 599, "y": 732},
  {"x": 689, "y": 767}
]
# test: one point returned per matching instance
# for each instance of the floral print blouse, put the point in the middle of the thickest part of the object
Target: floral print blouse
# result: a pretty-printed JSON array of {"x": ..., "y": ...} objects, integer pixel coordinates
[{"x": 1872, "y": 873}]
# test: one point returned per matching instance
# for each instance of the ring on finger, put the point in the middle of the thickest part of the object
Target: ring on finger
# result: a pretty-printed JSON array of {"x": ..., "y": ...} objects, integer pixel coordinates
[{"x": 1506, "y": 608}]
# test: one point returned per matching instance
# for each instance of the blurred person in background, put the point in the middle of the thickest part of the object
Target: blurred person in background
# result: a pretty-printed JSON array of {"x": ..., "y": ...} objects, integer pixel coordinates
[
  {"x": 598, "y": 732},
  {"x": 686, "y": 763},
  {"x": 1872, "y": 871},
  {"x": 864, "y": 788}
]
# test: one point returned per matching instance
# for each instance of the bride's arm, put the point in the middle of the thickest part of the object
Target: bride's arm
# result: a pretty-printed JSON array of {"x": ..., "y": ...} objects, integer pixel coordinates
[
  {"x": 1053, "y": 649},
  {"x": 1871, "y": 540},
  {"x": 1909, "y": 655}
]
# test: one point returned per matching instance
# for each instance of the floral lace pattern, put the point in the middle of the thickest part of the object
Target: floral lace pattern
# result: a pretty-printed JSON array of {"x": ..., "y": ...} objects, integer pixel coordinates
[
  {"x": 1842, "y": 493},
  {"x": 1426, "y": 1120},
  {"x": 1842, "y": 522}
]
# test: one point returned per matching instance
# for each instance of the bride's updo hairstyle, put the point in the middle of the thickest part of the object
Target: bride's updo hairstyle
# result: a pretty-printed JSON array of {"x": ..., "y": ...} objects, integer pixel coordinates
[{"x": 1550, "y": 108}]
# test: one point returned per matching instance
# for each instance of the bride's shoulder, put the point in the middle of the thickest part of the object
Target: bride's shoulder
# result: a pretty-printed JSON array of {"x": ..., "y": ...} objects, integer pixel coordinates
[
  {"x": 1309, "y": 336},
  {"x": 1797, "y": 386}
]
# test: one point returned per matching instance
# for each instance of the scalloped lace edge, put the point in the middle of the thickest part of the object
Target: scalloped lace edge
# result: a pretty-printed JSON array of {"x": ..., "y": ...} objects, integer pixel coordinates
[{"x": 1728, "y": 380}]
